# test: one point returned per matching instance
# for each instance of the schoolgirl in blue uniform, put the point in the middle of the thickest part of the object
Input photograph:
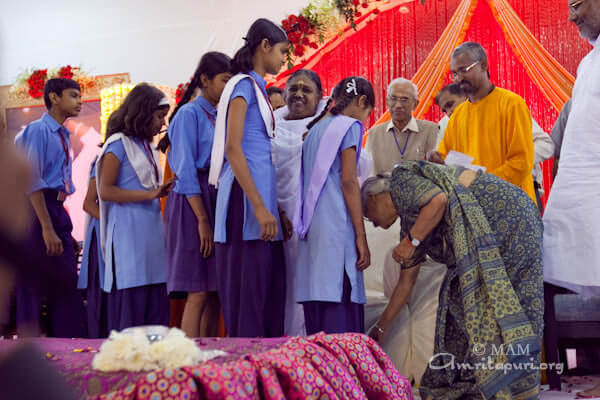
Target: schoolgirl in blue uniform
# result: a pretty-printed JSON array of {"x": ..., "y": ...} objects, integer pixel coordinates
[
  {"x": 46, "y": 144},
  {"x": 131, "y": 227},
  {"x": 332, "y": 246},
  {"x": 91, "y": 273},
  {"x": 248, "y": 234},
  {"x": 190, "y": 207}
]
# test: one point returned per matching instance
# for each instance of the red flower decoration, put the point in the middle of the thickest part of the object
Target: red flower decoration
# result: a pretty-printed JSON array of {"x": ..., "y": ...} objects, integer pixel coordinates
[
  {"x": 295, "y": 37},
  {"x": 376, "y": 11},
  {"x": 66, "y": 72},
  {"x": 365, "y": 5},
  {"x": 299, "y": 51},
  {"x": 36, "y": 82},
  {"x": 181, "y": 88},
  {"x": 356, "y": 2},
  {"x": 303, "y": 24},
  {"x": 358, "y": 14}
]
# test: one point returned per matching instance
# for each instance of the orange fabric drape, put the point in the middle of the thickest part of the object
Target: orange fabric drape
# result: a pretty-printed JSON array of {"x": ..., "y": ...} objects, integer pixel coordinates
[
  {"x": 167, "y": 174},
  {"x": 431, "y": 75},
  {"x": 552, "y": 78}
]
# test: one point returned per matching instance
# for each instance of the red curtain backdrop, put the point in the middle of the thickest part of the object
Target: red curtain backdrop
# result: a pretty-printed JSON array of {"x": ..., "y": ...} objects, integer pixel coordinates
[
  {"x": 389, "y": 45},
  {"x": 398, "y": 41},
  {"x": 508, "y": 72},
  {"x": 547, "y": 20}
]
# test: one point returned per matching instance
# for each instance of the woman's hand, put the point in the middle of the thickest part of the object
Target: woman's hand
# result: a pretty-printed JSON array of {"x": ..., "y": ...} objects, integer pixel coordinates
[
  {"x": 404, "y": 252},
  {"x": 206, "y": 238},
  {"x": 376, "y": 333},
  {"x": 364, "y": 255},
  {"x": 435, "y": 157},
  {"x": 162, "y": 190},
  {"x": 286, "y": 225},
  {"x": 268, "y": 223}
]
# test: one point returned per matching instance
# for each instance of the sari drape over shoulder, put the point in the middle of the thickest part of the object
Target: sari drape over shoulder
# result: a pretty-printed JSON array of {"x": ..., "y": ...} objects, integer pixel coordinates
[{"x": 491, "y": 302}]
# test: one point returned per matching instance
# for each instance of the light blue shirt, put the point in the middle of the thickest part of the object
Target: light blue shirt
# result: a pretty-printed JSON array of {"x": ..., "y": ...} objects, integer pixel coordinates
[
  {"x": 191, "y": 133},
  {"x": 256, "y": 146},
  {"x": 41, "y": 142},
  {"x": 135, "y": 233},
  {"x": 329, "y": 248},
  {"x": 92, "y": 228}
]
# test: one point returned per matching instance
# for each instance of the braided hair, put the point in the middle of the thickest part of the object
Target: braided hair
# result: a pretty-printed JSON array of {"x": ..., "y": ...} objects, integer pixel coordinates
[
  {"x": 344, "y": 93},
  {"x": 211, "y": 64}
]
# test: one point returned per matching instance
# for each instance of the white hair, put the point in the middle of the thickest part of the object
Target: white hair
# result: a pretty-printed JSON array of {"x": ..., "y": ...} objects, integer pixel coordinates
[
  {"x": 403, "y": 80},
  {"x": 373, "y": 186}
]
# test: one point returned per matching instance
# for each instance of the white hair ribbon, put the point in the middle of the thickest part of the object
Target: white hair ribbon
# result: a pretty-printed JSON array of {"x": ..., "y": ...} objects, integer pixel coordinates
[
  {"x": 163, "y": 102},
  {"x": 351, "y": 87}
]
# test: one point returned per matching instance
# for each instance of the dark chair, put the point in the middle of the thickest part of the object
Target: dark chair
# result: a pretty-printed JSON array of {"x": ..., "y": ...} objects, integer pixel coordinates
[{"x": 569, "y": 319}]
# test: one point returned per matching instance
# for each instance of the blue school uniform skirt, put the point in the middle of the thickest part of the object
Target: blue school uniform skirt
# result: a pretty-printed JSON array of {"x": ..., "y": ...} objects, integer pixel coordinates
[
  {"x": 188, "y": 271},
  {"x": 251, "y": 278}
]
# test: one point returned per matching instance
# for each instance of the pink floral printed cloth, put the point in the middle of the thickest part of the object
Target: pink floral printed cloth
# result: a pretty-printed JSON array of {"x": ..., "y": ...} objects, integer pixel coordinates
[{"x": 344, "y": 366}]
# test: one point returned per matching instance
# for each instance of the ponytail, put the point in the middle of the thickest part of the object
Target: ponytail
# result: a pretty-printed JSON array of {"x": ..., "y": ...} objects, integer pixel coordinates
[
  {"x": 165, "y": 142},
  {"x": 211, "y": 64},
  {"x": 343, "y": 94},
  {"x": 261, "y": 29},
  {"x": 320, "y": 116},
  {"x": 242, "y": 60}
]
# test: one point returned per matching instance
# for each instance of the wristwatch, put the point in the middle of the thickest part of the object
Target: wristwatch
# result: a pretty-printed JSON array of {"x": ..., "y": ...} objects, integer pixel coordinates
[{"x": 413, "y": 241}]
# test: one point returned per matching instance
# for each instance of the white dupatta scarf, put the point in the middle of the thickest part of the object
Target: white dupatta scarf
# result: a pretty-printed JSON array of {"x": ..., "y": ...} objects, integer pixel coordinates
[
  {"x": 217, "y": 156},
  {"x": 286, "y": 150},
  {"x": 143, "y": 169}
]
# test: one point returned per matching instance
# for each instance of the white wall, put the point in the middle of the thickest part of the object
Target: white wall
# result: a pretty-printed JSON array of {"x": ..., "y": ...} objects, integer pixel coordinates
[{"x": 155, "y": 41}]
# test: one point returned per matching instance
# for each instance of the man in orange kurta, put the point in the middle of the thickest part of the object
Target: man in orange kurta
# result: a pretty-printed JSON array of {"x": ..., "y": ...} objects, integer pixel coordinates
[{"x": 493, "y": 126}]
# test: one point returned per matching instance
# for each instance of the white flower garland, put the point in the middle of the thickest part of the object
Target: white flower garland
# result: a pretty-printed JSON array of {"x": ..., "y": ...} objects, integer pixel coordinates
[{"x": 134, "y": 352}]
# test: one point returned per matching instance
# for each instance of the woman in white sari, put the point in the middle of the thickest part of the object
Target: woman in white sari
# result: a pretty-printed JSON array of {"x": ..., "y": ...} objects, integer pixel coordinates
[
  {"x": 303, "y": 97},
  {"x": 304, "y": 100}
]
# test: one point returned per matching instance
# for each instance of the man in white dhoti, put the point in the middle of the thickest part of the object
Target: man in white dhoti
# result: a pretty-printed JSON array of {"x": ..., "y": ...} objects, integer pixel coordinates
[
  {"x": 572, "y": 219},
  {"x": 571, "y": 252}
]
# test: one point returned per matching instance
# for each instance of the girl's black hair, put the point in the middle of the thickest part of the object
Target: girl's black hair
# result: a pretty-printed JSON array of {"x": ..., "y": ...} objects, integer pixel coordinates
[
  {"x": 211, "y": 64},
  {"x": 344, "y": 93},
  {"x": 134, "y": 115},
  {"x": 312, "y": 75},
  {"x": 261, "y": 29}
]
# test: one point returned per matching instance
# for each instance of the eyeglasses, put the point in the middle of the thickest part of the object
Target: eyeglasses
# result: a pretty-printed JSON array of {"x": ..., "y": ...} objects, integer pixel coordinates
[
  {"x": 401, "y": 100},
  {"x": 462, "y": 71},
  {"x": 575, "y": 5}
]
